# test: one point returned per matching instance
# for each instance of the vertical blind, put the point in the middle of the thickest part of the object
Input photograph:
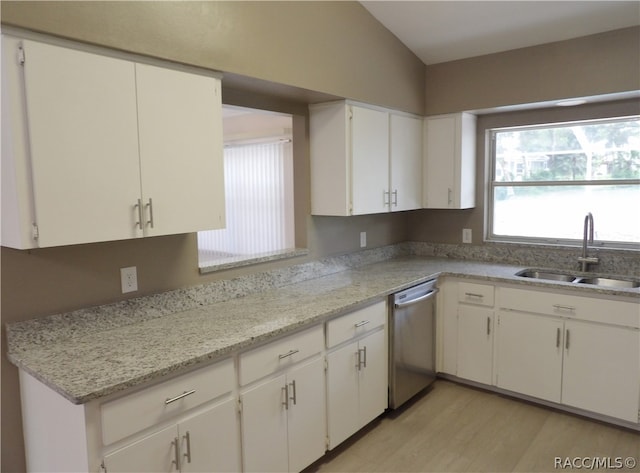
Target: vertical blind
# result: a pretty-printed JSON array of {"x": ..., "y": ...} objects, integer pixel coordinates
[{"x": 259, "y": 204}]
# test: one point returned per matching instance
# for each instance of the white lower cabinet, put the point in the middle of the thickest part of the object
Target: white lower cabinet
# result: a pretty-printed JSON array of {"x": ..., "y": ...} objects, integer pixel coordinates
[
  {"x": 205, "y": 442},
  {"x": 570, "y": 352},
  {"x": 357, "y": 389},
  {"x": 475, "y": 332},
  {"x": 283, "y": 406},
  {"x": 475, "y": 343},
  {"x": 283, "y": 420},
  {"x": 357, "y": 371},
  {"x": 529, "y": 359},
  {"x": 601, "y": 369}
]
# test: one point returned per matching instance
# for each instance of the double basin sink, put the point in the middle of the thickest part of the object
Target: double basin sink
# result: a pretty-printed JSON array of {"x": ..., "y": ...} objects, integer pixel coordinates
[{"x": 573, "y": 278}]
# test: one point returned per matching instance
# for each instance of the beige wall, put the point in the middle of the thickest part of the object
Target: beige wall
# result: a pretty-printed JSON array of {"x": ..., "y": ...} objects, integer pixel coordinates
[
  {"x": 593, "y": 65},
  {"x": 335, "y": 48}
]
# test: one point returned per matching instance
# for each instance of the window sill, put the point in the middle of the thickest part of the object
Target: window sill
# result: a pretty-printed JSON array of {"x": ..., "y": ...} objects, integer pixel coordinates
[{"x": 240, "y": 261}]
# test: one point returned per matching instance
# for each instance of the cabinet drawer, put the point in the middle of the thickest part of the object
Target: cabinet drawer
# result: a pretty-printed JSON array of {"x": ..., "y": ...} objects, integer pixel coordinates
[
  {"x": 355, "y": 323},
  {"x": 592, "y": 309},
  {"x": 282, "y": 353},
  {"x": 479, "y": 294},
  {"x": 135, "y": 412}
]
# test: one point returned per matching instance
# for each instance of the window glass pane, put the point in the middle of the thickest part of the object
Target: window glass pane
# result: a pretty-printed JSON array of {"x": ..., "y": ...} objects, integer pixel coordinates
[
  {"x": 557, "y": 212},
  {"x": 579, "y": 151}
]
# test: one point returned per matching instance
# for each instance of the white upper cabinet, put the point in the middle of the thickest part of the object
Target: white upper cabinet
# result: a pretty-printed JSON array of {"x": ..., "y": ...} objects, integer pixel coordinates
[
  {"x": 405, "y": 162},
  {"x": 364, "y": 160},
  {"x": 449, "y": 161},
  {"x": 97, "y": 148}
]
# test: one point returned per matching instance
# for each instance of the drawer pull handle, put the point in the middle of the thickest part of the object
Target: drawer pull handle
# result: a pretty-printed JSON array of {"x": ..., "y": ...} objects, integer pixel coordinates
[
  {"x": 362, "y": 360},
  {"x": 139, "y": 207},
  {"x": 567, "y": 340},
  {"x": 289, "y": 353},
  {"x": 488, "y": 325},
  {"x": 177, "y": 398},
  {"x": 187, "y": 437},
  {"x": 176, "y": 453},
  {"x": 558, "y": 338},
  {"x": 294, "y": 398},
  {"x": 364, "y": 322},
  {"x": 564, "y": 307},
  {"x": 285, "y": 391},
  {"x": 472, "y": 294}
]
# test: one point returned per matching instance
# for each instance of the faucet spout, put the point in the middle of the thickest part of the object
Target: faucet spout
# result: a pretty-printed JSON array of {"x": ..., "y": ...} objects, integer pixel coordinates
[{"x": 587, "y": 239}]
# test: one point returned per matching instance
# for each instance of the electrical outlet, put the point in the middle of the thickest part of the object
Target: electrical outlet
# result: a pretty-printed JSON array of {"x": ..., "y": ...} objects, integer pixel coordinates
[
  {"x": 363, "y": 239},
  {"x": 466, "y": 235},
  {"x": 129, "y": 279}
]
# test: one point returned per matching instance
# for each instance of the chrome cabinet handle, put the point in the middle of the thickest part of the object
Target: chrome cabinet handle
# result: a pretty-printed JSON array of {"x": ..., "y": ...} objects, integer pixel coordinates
[
  {"x": 361, "y": 323},
  {"x": 294, "y": 398},
  {"x": 362, "y": 360},
  {"x": 140, "y": 218},
  {"x": 150, "y": 206},
  {"x": 395, "y": 195},
  {"x": 566, "y": 343},
  {"x": 187, "y": 437},
  {"x": 449, "y": 199},
  {"x": 285, "y": 390},
  {"x": 358, "y": 363},
  {"x": 180, "y": 396},
  {"x": 473, "y": 294},
  {"x": 386, "y": 198},
  {"x": 564, "y": 307},
  {"x": 558, "y": 338},
  {"x": 289, "y": 353},
  {"x": 488, "y": 325},
  {"x": 176, "y": 453}
]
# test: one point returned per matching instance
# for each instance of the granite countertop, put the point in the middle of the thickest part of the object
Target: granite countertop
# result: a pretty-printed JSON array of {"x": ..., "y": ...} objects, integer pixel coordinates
[{"x": 106, "y": 355}]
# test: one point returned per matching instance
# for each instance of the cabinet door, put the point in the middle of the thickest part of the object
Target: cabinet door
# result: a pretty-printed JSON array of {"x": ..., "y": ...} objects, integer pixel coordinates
[
  {"x": 180, "y": 126},
  {"x": 264, "y": 427},
  {"x": 210, "y": 441},
  {"x": 373, "y": 382},
  {"x": 529, "y": 354},
  {"x": 81, "y": 113},
  {"x": 440, "y": 149},
  {"x": 601, "y": 365},
  {"x": 405, "y": 163},
  {"x": 475, "y": 343},
  {"x": 342, "y": 391},
  {"x": 369, "y": 161},
  {"x": 306, "y": 415},
  {"x": 155, "y": 453}
]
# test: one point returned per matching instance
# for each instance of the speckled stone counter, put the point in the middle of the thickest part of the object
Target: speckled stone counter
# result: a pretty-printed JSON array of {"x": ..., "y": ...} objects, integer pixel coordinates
[{"x": 92, "y": 353}]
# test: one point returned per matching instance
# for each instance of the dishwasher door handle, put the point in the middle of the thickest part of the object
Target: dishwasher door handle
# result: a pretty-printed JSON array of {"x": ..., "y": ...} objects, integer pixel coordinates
[{"x": 428, "y": 295}]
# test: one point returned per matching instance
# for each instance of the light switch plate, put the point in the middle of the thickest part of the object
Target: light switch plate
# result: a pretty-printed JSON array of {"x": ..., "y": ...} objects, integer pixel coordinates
[{"x": 466, "y": 235}]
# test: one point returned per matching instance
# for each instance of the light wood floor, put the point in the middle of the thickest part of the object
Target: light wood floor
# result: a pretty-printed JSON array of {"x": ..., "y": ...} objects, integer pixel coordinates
[{"x": 455, "y": 428}]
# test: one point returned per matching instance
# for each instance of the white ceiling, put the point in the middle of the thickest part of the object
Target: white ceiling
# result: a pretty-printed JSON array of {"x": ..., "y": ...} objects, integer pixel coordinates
[{"x": 441, "y": 31}]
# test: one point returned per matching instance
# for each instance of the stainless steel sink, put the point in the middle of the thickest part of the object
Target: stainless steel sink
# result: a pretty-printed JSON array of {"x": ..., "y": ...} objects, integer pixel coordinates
[
  {"x": 609, "y": 282},
  {"x": 536, "y": 274},
  {"x": 573, "y": 278}
]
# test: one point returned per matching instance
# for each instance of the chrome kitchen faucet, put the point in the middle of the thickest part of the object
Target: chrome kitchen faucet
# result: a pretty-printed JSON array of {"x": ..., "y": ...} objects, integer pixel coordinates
[{"x": 587, "y": 239}]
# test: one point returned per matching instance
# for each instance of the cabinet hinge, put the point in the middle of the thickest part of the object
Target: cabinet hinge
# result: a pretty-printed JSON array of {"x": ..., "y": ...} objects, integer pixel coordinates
[
  {"x": 102, "y": 467},
  {"x": 326, "y": 365},
  {"x": 326, "y": 443},
  {"x": 21, "y": 57},
  {"x": 240, "y": 406},
  {"x": 35, "y": 233}
]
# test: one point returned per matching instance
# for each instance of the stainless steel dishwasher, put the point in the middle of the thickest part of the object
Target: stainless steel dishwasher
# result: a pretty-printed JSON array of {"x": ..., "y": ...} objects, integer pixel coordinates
[{"x": 411, "y": 342}]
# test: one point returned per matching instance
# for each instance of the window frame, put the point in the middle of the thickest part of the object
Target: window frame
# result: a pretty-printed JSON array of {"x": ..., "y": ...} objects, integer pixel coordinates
[{"x": 492, "y": 184}]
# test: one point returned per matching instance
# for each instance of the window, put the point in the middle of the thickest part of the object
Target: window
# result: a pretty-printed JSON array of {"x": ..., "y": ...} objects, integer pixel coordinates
[
  {"x": 546, "y": 178},
  {"x": 258, "y": 174}
]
